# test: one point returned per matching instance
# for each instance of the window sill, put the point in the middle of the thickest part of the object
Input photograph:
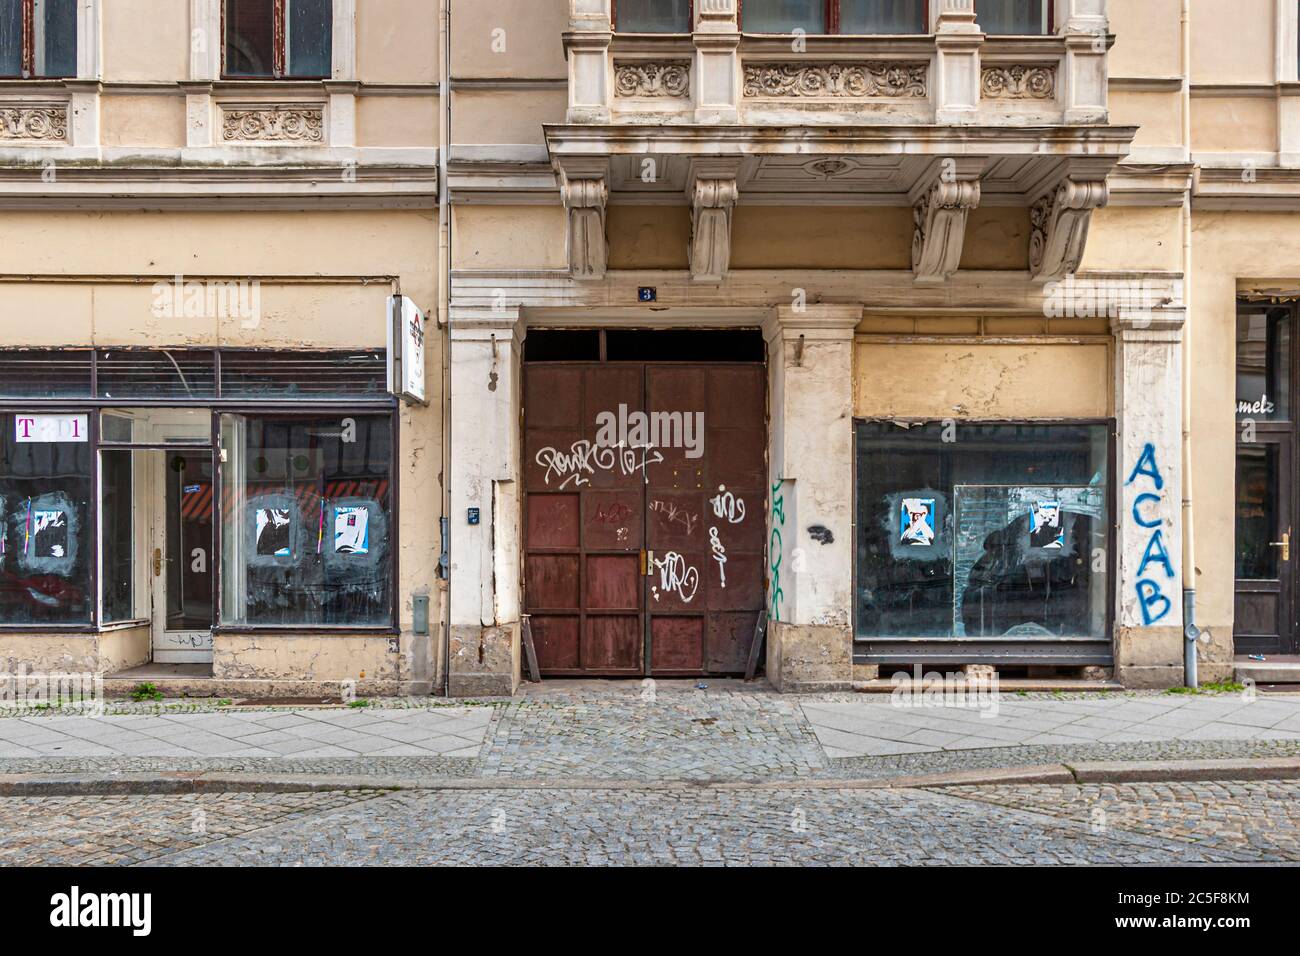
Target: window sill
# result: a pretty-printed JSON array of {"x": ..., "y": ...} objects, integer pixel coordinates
[{"x": 336, "y": 630}]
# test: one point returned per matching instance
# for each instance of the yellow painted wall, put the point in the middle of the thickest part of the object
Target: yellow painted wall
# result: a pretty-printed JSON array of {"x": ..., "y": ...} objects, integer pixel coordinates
[
  {"x": 821, "y": 237},
  {"x": 509, "y": 237}
]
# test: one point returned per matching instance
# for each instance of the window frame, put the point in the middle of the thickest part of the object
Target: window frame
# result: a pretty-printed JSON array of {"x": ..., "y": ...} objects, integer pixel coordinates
[
  {"x": 1049, "y": 22},
  {"x": 279, "y": 51},
  {"x": 27, "y": 56},
  {"x": 832, "y": 14},
  {"x": 690, "y": 20},
  {"x": 973, "y": 647}
]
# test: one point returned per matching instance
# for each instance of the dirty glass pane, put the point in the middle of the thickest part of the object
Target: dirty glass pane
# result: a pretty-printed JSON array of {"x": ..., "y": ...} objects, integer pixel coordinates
[
  {"x": 1257, "y": 511},
  {"x": 11, "y": 38},
  {"x": 309, "y": 31},
  {"x": 883, "y": 16},
  {"x": 46, "y": 536},
  {"x": 119, "y": 510},
  {"x": 1264, "y": 365},
  {"x": 1014, "y": 17},
  {"x": 54, "y": 24},
  {"x": 982, "y": 530},
  {"x": 250, "y": 37},
  {"x": 784, "y": 16},
  {"x": 307, "y": 531},
  {"x": 653, "y": 16}
]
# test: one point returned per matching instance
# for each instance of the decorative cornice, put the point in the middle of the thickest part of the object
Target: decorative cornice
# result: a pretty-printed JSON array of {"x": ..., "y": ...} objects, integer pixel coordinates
[
  {"x": 33, "y": 123},
  {"x": 273, "y": 124},
  {"x": 865, "y": 80},
  {"x": 652, "y": 78},
  {"x": 1018, "y": 81}
]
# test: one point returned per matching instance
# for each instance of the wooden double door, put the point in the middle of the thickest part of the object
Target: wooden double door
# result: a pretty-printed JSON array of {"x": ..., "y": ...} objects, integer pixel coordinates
[{"x": 644, "y": 516}]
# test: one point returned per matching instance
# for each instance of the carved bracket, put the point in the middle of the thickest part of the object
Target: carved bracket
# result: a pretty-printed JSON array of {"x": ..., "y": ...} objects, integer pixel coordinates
[
  {"x": 713, "y": 194},
  {"x": 1060, "y": 223},
  {"x": 941, "y": 203},
  {"x": 584, "y": 186},
  {"x": 33, "y": 123}
]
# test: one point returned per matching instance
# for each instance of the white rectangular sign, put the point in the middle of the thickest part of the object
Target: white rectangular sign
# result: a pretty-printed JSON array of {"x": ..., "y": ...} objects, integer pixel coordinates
[
  {"x": 406, "y": 335},
  {"x": 43, "y": 429}
]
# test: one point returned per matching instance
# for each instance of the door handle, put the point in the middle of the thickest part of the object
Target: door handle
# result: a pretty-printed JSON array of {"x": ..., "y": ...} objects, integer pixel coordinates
[
  {"x": 1284, "y": 544},
  {"x": 157, "y": 561},
  {"x": 647, "y": 562}
]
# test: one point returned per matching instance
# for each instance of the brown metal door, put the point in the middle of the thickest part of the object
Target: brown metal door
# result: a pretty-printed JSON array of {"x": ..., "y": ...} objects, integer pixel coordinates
[{"x": 644, "y": 557}]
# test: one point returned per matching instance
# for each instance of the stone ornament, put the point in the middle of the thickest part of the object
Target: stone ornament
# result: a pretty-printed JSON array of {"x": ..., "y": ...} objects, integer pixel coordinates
[
  {"x": 274, "y": 124},
  {"x": 585, "y": 200},
  {"x": 34, "y": 123},
  {"x": 871, "y": 79},
  {"x": 712, "y": 202},
  {"x": 652, "y": 78},
  {"x": 939, "y": 221},
  {"x": 1060, "y": 222},
  {"x": 1018, "y": 82}
]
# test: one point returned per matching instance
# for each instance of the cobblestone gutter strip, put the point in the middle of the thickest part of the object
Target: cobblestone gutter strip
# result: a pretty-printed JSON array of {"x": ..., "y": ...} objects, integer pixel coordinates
[{"x": 170, "y": 783}]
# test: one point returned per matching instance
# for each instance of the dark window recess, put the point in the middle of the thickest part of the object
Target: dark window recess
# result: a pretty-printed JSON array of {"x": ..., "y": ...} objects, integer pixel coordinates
[
  {"x": 562, "y": 345},
  {"x": 38, "y": 38},
  {"x": 279, "y": 38},
  {"x": 672, "y": 345},
  {"x": 1013, "y": 17},
  {"x": 982, "y": 530},
  {"x": 156, "y": 374},
  {"x": 652, "y": 16},
  {"x": 834, "y": 16},
  {"x": 45, "y": 373},
  {"x": 272, "y": 375},
  {"x": 1264, "y": 364}
]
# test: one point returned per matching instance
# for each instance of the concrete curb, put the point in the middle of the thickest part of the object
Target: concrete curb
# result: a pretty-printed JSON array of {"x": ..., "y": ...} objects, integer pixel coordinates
[{"x": 191, "y": 782}]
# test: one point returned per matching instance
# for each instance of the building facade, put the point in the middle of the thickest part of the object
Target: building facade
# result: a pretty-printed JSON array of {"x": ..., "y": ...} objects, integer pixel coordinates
[
  {"x": 205, "y": 208},
  {"x": 829, "y": 335}
]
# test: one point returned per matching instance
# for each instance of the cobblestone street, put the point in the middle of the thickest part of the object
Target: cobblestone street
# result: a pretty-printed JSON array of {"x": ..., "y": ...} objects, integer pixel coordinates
[{"x": 623, "y": 774}]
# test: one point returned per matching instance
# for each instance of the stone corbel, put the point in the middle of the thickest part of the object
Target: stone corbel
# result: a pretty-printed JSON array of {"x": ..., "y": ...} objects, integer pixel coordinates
[
  {"x": 941, "y": 203},
  {"x": 1059, "y": 222},
  {"x": 712, "y": 194},
  {"x": 584, "y": 185}
]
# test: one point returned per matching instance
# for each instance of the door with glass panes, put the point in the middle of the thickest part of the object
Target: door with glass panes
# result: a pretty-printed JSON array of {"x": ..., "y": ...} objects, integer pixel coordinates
[{"x": 1264, "y": 620}]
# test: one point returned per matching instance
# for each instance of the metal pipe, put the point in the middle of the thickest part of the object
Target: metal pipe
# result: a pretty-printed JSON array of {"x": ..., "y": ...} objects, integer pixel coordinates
[
  {"x": 1191, "y": 633},
  {"x": 444, "y": 309}
]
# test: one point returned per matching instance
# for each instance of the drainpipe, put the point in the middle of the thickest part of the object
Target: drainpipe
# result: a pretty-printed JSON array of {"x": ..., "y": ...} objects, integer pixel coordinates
[
  {"x": 1191, "y": 633},
  {"x": 444, "y": 313}
]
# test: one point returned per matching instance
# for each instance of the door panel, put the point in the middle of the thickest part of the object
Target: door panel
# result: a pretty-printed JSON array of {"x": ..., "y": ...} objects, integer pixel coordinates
[
  {"x": 1264, "y": 604},
  {"x": 650, "y": 544}
]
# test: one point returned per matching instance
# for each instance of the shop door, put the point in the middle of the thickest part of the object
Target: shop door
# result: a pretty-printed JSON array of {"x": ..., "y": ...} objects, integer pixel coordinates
[
  {"x": 1265, "y": 608},
  {"x": 182, "y": 558},
  {"x": 644, "y": 516}
]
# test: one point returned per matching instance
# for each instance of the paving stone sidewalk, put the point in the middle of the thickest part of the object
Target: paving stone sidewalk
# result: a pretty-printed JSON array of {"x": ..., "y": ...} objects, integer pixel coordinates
[{"x": 725, "y": 730}]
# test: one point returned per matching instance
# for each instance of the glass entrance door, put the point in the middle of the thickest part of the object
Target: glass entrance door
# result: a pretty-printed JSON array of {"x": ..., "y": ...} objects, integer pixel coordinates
[{"x": 182, "y": 559}]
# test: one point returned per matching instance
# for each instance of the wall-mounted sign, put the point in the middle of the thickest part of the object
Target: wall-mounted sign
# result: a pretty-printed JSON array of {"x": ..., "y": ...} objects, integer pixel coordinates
[
  {"x": 43, "y": 429},
  {"x": 647, "y": 293},
  {"x": 405, "y": 349}
]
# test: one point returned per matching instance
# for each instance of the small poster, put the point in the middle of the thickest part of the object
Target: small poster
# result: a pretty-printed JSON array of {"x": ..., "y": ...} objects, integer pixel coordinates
[
  {"x": 1045, "y": 528},
  {"x": 352, "y": 530},
  {"x": 49, "y": 534},
  {"x": 916, "y": 522},
  {"x": 273, "y": 530}
]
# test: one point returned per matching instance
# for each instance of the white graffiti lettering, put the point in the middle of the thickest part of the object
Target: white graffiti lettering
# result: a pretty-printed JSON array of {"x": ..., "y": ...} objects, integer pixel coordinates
[
  {"x": 676, "y": 577},
  {"x": 727, "y": 505},
  {"x": 719, "y": 554},
  {"x": 582, "y": 458}
]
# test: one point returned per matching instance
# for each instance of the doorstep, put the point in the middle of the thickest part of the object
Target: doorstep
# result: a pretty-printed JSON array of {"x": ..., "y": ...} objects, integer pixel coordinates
[
  {"x": 1274, "y": 669},
  {"x": 884, "y": 685}
]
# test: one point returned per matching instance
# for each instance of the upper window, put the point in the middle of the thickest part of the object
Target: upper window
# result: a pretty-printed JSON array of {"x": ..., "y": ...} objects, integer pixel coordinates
[
  {"x": 834, "y": 16},
  {"x": 273, "y": 39},
  {"x": 1014, "y": 17},
  {"x": 652, "y": 16},
  {"x": 38, "y": 38}
]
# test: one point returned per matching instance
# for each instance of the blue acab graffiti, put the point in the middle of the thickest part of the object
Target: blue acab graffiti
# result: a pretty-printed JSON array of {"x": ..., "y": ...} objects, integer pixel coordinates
[{"x": 1153, "y": 601}]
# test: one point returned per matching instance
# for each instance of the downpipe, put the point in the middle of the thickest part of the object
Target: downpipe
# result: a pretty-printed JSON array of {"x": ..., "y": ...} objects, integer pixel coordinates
[{"x": 1191, "y": 636}]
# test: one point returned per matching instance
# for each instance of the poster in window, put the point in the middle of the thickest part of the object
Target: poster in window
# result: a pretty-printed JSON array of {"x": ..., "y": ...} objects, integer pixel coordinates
[
  {"x": 916, "y": 522},
  {"x": 352, "y": 530},
  {"x": 1045, "y": 528},
  {"x": 48, "y": 537},
  {"x": 273, "y": 532}
]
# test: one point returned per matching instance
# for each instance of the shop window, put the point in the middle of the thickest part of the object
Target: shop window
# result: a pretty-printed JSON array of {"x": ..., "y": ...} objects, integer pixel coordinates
[
  {"x": 46, "y": 531},
  {"x": 307, "y": 526},
  {"x": 834, "y": 16},
  {"x": 652, "y": 16},
  {"x": 983, "y": 530},
  {"x": 279, "y": 38},
  {"x": 1264, "y": 364},
  {"x": 38, "y": 38},
  {"x": 1014, "y": 17}
]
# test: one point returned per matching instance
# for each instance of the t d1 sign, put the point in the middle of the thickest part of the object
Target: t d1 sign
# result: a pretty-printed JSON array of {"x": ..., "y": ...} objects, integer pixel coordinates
[{"x": 406, "y": 350}]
